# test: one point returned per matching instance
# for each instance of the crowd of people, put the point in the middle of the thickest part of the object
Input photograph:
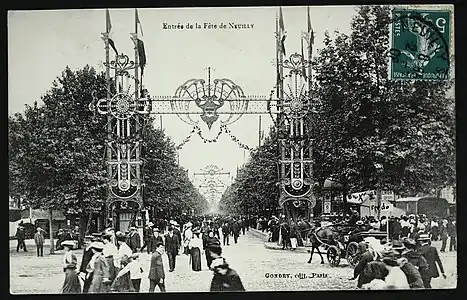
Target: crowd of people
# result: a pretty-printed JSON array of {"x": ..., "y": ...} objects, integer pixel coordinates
[
  {"x": 111, "y": 260},
  {"x": 399, "y": 264}
]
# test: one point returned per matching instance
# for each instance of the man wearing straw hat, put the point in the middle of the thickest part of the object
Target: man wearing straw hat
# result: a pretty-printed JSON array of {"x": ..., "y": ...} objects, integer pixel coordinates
[
  {"x": 431, "y": 255},
  {"x": 39, "y": 239}
]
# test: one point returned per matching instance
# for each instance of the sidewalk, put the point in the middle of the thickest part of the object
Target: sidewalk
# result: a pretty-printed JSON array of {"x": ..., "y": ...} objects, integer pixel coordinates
[{"x": 274, "y": 245}]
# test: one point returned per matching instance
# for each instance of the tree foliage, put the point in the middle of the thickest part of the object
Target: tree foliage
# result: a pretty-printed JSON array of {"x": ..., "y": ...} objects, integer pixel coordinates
[
  {"x": 56, "y": 153},
  {"x": 375, "y": 131},
  {"x": 370, "y": 131},
  {"x": 255, "y": 187}
]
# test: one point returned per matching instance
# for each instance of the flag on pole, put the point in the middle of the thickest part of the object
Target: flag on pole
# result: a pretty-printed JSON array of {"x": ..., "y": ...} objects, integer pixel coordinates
[
  {"x": 138, "y": 23},
  {"x": 141, "y": 51},
  {"x": 310, "y": 33},
  {"x": 109, "y": 30},
  {"x": 141, "y": 55},
  {"x": 282, "y": 33},
  {"x": 303, "y": 59}
]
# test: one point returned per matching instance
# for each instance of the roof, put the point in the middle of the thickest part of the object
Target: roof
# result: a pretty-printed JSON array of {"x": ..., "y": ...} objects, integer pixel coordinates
[
  {"x": 43, "y": 214},
  {"x": 416, "y": 199}
]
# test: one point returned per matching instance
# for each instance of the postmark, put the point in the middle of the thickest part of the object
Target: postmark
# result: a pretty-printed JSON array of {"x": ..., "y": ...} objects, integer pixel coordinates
[{"x": 420, "y": 46}]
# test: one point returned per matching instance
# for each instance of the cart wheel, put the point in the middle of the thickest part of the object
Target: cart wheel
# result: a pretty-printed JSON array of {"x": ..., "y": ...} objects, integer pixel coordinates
[
  {"x": 333, "y": 256},
  {"x": 352, "y": 253}
]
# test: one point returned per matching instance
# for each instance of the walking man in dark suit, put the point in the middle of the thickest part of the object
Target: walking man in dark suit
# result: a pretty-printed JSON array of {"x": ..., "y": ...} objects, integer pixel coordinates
[
  {"x": 172, "y": 245},
  {"x": 156, "y": 270},
  {"x": 431, "y": 255}
]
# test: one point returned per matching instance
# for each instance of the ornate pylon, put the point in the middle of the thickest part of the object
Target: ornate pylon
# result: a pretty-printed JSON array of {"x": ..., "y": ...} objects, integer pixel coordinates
[{"x": 128, "y": 107}]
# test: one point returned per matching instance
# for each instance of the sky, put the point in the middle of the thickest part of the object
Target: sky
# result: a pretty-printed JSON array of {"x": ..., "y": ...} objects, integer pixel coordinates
[{"x": 42, "y": 43}]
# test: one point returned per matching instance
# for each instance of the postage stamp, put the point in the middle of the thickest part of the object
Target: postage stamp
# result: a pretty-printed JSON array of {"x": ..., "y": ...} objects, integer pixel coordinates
[{"x": 421, "y": 44}]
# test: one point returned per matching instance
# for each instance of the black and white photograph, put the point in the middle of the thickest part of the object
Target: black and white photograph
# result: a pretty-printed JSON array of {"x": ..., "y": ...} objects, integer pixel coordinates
[{"x": 232, "y": 149}]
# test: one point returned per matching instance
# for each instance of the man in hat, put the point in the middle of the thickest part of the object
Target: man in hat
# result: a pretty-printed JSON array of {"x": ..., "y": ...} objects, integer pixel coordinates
[
  {"x": 172, "y": 246},
  {"x": 39, "y": 239},
  {"x": 412, "y": 273},
  {"x": 431, "y": 255},
  {"x": 178, "y": 233},
  {"x": 20, "y": 236},
  {"x": 147, "y": 234},
  {"x": 226, "y": 230},
  {"x": 452, "y": 232},
  {"x": 414, "y": 257},
  {"x": 443, "y": 232},
  {"x": 134, "y": 240},
  {"x": 156, "y": 238}
]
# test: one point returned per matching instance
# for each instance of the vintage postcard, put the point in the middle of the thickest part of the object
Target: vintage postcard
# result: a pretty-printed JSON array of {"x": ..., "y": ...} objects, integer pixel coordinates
[{"x": 232, "y": 149}]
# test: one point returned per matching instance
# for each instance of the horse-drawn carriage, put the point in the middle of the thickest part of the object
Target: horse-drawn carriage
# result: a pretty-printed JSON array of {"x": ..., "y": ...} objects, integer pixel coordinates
[{"x": 340, "y": 241}]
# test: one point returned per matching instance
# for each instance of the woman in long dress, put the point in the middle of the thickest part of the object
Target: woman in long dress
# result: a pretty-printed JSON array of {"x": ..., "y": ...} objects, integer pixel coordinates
[
  {"x": 110, "y": 254},
  {"x": 100, "y": 270},
  {"x": 196, "y": 244},
  {"x": 212, "y": 247},
  {"x": 71, "y": 285},
  {"x": 122, "y": 283}
]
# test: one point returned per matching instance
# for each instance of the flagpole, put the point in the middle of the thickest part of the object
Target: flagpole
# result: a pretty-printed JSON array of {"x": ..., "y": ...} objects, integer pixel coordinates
[
  {"x": 137, "y": 96},
  {"x": 277, "y": 58},
  {"x": 310, "y": 51},
  {"x": 136, "y": 56},
  {"x": 107, "y": 210},
  {"x": 259, "y": 132}
]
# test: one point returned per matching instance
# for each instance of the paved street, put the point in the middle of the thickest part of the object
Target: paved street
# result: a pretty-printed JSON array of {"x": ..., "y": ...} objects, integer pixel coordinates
[{"x": 253, "y": 262}]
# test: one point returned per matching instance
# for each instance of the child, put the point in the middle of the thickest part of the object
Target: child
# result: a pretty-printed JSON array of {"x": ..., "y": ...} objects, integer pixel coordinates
[{"x": 136, "y": 271}]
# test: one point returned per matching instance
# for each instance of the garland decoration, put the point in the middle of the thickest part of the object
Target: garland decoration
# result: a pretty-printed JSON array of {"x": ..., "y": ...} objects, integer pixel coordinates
[
  {"x": 236, "y": 140},
  {"x": 223, "y": 129},
  {"x": 186, "y": 140}
]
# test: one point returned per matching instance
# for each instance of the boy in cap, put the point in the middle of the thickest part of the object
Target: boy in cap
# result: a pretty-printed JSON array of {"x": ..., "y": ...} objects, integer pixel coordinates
[{"x": 156, "y": 270}]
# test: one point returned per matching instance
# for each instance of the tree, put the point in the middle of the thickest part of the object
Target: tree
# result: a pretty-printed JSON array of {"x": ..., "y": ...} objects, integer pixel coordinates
[
  {"x": 255, "y": 187},
  {"x": 57, "y": 150},
  {"x": 368, "y": 120},
  {"x": 168, "y": 187},
  {"x": 370, "y": 132}
]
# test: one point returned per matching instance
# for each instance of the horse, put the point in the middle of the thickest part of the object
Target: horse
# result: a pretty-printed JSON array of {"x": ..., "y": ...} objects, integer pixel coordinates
[{"x": 322, "y": 235}]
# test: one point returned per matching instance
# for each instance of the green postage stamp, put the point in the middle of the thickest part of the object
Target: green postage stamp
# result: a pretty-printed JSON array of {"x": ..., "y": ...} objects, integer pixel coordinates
[{"x": 421, "y": 44}]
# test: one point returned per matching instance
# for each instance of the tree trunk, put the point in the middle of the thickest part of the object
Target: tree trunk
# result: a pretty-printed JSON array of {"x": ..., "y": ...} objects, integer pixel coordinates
[{"x": 51, "y": 236}]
